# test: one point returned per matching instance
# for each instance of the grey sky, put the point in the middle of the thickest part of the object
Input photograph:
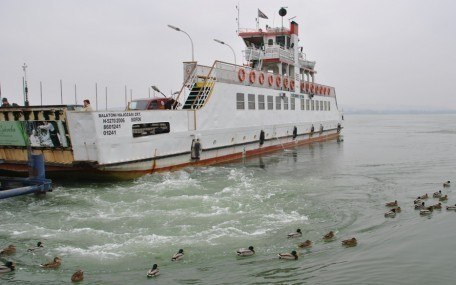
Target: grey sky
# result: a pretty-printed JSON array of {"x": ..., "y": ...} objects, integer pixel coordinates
[{"x": 388, "y": 53}]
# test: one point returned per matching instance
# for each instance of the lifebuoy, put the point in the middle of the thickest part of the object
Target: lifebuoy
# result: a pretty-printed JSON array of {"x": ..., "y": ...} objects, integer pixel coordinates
[
  {"x": 261, "y": 78},
  {"x": 303, "y": 86},
  {"x": 270, "y": 79},
  {"x": 241, "y": 75},
  {"x": 285, "y": 82},
  {"x": 311, "y": 87},
  {"x": 307, "y": 86},
  {"x": 278, "y": 80},
  {"x": 292, "y": 85},
  {"x": 252, "y": 76}
]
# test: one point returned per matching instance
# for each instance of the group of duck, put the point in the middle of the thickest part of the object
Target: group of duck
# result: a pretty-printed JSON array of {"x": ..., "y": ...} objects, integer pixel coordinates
[
  {"x": 419, "y": 203},
  {"x": 55, "y": 263},
  {"x": 249, "y": 251}
]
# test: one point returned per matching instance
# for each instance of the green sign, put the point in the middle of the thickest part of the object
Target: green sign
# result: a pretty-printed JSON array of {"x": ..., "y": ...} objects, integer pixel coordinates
[{"x": 12, "y": 133}]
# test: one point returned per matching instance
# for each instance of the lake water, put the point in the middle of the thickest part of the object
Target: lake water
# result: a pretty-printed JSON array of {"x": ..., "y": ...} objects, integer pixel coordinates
[{"x": 115, "y": 232}]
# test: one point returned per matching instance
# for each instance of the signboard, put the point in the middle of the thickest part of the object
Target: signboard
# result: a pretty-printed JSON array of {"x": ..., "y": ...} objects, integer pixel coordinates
[
  {"x": 12, "y": 133},
  {"x": 40, "y": 134}
]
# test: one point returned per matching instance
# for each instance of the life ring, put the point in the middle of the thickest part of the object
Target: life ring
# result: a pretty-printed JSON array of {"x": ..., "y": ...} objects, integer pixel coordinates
[
  {"x": 303, "y": 86},
  {"x": 261, "y": 78},
  {"x": 252, "y": 76},
  {"x": 241, "y": 75},
  {"x": 311, "y": 87},
  {"x": 270, "y": 79},
  {"x": 292, "y": 85},
  {"x": 278, "y": 80},
  {"x": 285, "y": 82},
  {"x": 307, "y": 86}
]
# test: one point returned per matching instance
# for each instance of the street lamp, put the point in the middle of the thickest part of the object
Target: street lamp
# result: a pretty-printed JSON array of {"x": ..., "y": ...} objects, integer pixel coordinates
[
  {"x": 179, "y": 30},
  {"x": 223, "y": 43},
  {"x": 158, "y": 90}
]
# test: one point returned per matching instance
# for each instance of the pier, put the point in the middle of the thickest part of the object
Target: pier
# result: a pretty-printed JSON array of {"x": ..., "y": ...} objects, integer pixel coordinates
[{"x": 35, "y": 183}]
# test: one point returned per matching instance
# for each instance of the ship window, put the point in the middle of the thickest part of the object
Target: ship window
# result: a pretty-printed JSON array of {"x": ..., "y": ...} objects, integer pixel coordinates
[
  {"x": 303, "y": 104},
  {"x": 240, "y": 101},
  {"x": 316, "y": 105},
  {"x": 321, "y": 105},
  {"x": 326, "y": 105},
  {"x": 285, "y": 103},
  {"x": 307, "y": 104},
  {"x": 251, "y": 98},
  {"x": 150, "y": 129},
  {"x": 312, "y": 105},
  {"x": 280, "y": 40},
  {"x": 278, "y": 102},
  {"x": 270, "y": 102},
  {"x": 329, "y": 106},
  {"x": 261, "y": 102},
  {"x": 292, "y": 101},
  {"x": 270, "y": 42}
]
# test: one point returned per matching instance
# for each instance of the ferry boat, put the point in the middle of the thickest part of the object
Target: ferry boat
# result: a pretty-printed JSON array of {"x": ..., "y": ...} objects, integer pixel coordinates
[{"x": 222, "y": 112}]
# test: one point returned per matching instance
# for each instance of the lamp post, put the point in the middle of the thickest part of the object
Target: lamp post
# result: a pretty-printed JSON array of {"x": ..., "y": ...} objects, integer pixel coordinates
[
  {"x": 223, "y": 43},
  {"x": 24, "y": 67},
  {"x": 179, "y": 30}
]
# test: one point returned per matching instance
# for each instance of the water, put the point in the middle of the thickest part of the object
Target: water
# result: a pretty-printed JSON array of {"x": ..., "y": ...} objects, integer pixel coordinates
[{"x": 116, "y": 232}]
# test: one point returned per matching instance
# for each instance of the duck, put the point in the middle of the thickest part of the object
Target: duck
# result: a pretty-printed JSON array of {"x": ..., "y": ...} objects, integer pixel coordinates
[
  {"x": 425, "y": 196},
  {"x": 246, "y": 251},
  {"x": 178, "y": 256},
  {"x": 329, "y": 236},
  {"x": 446, "y": 184},
  {"x": 38, "y": 246},
  {"x": 437, "y": 206},
  {"x": 298, "y": 233},
  {"x": 77, "y": 276},
  {"x": 426, "y": 211},
  {"x": 451, "y": 207},
  {"x": 443, "y": 198},
  {"x": 419, "y": 206},
  {"x": 417, "y": 201},
  {"x": 305, "y": 244},
  {"x": 390, "y": 214},
  {"x": 7, "y": 267},
  {"x": 391, "y": 204},
  {"x": 398, "y": 209},
  {"x": 154, "y": 271},
  {"x": 52, "y": 264},
  {"x": 10, "y": 249},
  {"x": 350, "y": 242},
  {"x": 289, "y": 256},
  {"x": 437, "y": 194}
]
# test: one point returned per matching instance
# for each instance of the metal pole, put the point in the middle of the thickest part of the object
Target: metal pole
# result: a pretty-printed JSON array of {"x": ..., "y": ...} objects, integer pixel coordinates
[
  {"x": 24, "y": 67},
  {"x": 41, "y": 94},
  {"x": 106, "y": 91},
  {"x": 61, "y": 92},
  {"x": 96, "y": 96}
]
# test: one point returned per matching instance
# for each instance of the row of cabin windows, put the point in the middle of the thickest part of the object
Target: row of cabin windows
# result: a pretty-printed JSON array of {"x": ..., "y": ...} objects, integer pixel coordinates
[{"x": 281, "y": 103}]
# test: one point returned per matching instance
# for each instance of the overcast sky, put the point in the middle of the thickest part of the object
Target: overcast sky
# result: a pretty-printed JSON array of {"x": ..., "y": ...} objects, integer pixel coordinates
[{"x": 382, "y": 53}]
